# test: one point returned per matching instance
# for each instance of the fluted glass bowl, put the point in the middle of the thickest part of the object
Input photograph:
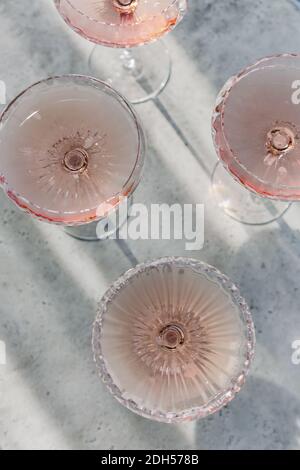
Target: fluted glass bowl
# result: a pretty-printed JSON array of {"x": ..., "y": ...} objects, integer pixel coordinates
[
  {"x": 107, "y": 23},
  {"x": 173, "y": 340},
  {"x": 71, "y": 149},
  {"x": 256, "y": 127}
]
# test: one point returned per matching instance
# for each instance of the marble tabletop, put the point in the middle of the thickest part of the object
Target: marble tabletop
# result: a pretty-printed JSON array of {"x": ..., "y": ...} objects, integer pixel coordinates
[{"x": 50, "y": 395}]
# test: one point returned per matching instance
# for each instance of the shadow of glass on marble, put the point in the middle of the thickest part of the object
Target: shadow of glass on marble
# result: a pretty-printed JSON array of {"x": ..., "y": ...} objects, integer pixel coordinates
[
  {"x": 46, "y": 324},
  {"x": 263, "y": 417},
  {"x": 269, "y": 277},
  {"x": 224, "y": 37}
]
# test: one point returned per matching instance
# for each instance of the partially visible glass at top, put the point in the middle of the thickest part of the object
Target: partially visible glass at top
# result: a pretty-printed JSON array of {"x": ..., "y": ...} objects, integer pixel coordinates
[{"x": 139, "y": 73}]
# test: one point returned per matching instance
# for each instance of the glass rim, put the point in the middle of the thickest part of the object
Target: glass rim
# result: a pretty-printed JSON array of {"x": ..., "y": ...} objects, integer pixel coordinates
[
  {"x": 90, "y": 18},
  {"x": 222, "y": 97},
  {"x": 139, "y": 161},
  {"x": 220, "y": 399}
]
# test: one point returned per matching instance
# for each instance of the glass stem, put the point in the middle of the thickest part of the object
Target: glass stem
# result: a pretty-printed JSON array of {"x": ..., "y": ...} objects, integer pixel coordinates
[{"x": 129, "y": 62}]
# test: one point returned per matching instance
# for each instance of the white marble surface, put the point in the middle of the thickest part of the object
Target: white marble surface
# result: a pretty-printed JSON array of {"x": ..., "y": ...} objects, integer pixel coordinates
[{"x": 50, "y": 395}]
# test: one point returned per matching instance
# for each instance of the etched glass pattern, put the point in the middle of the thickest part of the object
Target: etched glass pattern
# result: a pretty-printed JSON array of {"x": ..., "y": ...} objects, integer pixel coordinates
[{"x": 173, "y": 340}]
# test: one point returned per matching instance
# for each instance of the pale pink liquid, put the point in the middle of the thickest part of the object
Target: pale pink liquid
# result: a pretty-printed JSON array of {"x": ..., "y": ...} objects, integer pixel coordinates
[
  {"x": 257, "y": 127},
  {"x": 100, "y": 22},
  {"x": 172, "y": 339},
  {"x": 53, "y": 119}
]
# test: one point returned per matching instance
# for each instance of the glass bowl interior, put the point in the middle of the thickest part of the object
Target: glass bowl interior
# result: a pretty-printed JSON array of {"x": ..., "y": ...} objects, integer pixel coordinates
[
  {"x": 256, "y": 127},
  {"x": 103, "y": 23},
  {"x": 71, "y": 149},
  {"x": 173, "y": 340}
]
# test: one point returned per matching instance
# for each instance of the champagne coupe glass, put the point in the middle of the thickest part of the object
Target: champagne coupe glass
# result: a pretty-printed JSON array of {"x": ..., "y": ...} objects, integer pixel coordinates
[
  {"x": 173, "y": 340},
  {"x": 139, "y": 73},
  {"x": 256, "y": 131},
  {"x": 72, "y": 149}
]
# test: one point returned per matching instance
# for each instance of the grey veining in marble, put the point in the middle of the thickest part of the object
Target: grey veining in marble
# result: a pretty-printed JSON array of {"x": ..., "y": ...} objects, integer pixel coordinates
[{"x": 50, "y": 395}]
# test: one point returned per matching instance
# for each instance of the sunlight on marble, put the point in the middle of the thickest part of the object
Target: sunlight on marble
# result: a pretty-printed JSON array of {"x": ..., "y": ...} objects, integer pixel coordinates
[
  {"x": 20, "y": 401},
  {"x": 80, "y": 267},
  {"x": 198, "y": 101},
  {"x": 187, "y": 173},
  {"x": 188, "y": 432}
]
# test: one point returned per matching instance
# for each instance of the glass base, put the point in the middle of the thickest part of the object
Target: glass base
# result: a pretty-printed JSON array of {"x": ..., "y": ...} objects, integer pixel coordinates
[
  {"x": 140, "y": 73},
  {"x": 241, "y": 204},
  {"x": 104, "y": 228},
  {"x": 86, "y": 232}
]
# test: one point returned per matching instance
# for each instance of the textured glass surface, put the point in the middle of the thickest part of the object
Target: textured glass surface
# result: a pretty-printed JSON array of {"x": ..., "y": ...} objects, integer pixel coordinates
[
  {"x": 173, "y": 339},
  {"x": 107, "y": 22},
  {"x": 256, "y": 127},
  {"x": 71, "y": 147}
]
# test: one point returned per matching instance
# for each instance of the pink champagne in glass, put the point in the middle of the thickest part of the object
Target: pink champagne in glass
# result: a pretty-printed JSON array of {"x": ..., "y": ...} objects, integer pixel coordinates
[
  {"x": 139, "y": 73},
  {"x": 256, "y": 129},
  {"x": 173, "y": 340},
  {"x": 71, "y": 149}
]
